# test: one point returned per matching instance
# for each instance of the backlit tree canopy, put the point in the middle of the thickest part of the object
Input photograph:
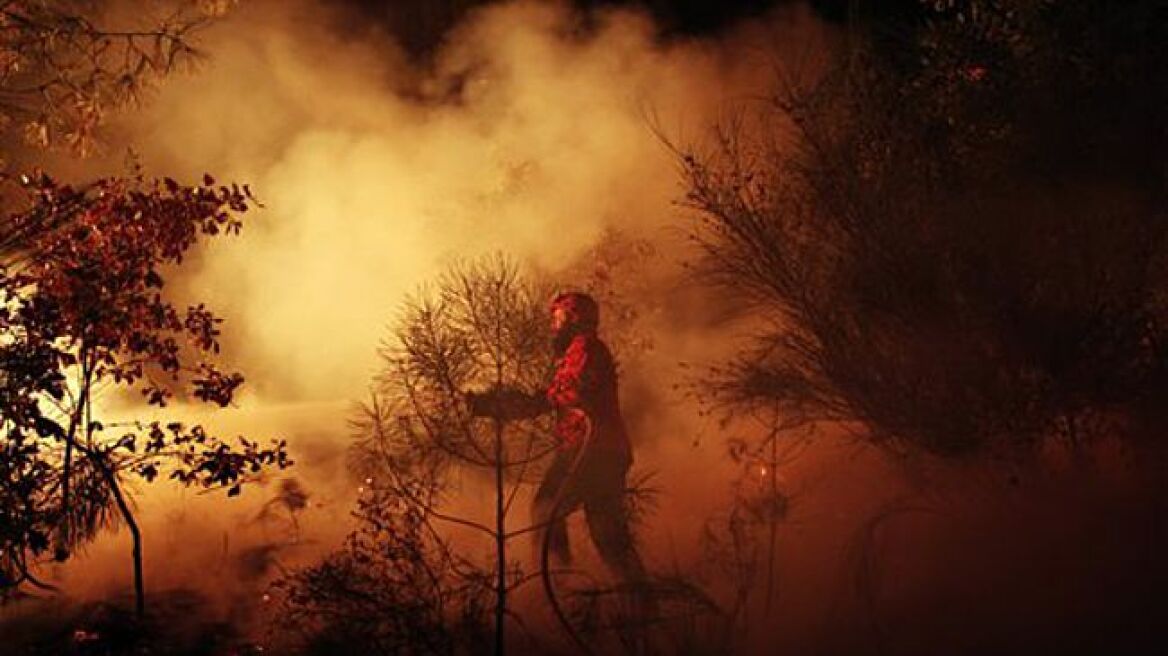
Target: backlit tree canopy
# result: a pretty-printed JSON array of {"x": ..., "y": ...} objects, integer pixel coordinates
[
  {"x": 84, "y": 311},
  {"x": 65, "y": 63}
]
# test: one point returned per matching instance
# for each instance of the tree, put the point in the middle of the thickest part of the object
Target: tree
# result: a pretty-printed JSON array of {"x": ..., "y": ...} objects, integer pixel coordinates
[
  {"x": 85, "y": 313},
  {"x": 956, "y": 234},
  {"x": 404, "y": 581},
  {"x": 65, "y": 63},
  {"x": 484, "y": 330},
  {"x": 82, "y": 280},
  {"x": 481, "y": 327}
]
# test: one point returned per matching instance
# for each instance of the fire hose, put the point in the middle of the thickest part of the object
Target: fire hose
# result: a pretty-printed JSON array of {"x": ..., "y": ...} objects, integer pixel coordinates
[
  {"x": 498, "y": 413},
  {"x": 545, "y": 544}
]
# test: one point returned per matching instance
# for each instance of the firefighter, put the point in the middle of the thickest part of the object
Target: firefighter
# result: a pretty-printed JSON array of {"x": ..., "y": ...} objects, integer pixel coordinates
[{"x": 590, "y": 466}]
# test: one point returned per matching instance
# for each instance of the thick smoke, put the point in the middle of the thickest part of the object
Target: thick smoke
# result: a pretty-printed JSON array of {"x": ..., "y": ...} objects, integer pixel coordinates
[
  {"x": 528, "y": 134},
  {"x": 533, "y": 130}
]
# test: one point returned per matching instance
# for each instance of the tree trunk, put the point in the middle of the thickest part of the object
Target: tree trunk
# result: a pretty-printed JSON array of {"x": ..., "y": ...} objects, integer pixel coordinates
[
  {"x": 79, "y": 414},
  {"x": 500, "y": 501},
  {"x": 135, "y": 536},
  {"x": 773, "y": 472},
  {"x": 500, "y": 541}
]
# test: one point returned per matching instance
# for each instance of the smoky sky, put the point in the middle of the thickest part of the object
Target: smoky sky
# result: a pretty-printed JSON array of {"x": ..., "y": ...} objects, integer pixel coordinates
[{"x": 421, "y": 26}]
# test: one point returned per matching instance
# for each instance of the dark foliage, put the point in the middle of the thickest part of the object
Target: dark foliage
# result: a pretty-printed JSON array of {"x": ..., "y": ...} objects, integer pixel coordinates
[
  {"x": 395, "y": 587},
  {"x": 84, "y": 312},
  {"x": 957, "y": 232}
]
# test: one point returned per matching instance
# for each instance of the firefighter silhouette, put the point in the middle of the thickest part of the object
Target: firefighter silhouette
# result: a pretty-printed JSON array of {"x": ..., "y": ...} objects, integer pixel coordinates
[{"x": 590, "y": 467}]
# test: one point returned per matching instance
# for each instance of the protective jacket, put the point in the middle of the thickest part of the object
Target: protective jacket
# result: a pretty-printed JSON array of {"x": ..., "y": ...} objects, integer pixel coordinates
[{"x": 583, "y": 391}]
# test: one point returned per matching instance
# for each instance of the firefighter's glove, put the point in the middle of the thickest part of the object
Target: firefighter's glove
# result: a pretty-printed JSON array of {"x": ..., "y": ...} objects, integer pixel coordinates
[
  {"x": 502, "y": 403},
  {"x": 479, "y": 404},
  {"x": 574, "y": 427}
]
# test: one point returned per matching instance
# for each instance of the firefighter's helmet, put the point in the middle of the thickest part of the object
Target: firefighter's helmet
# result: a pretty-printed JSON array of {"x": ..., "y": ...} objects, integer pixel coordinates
[{"x": 582, "y": 310}]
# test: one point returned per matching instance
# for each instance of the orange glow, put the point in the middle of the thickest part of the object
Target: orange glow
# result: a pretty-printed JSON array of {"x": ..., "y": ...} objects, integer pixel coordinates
[
  {"x": 547, "y": 142},
  {"x": 537, "y": 135}
]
